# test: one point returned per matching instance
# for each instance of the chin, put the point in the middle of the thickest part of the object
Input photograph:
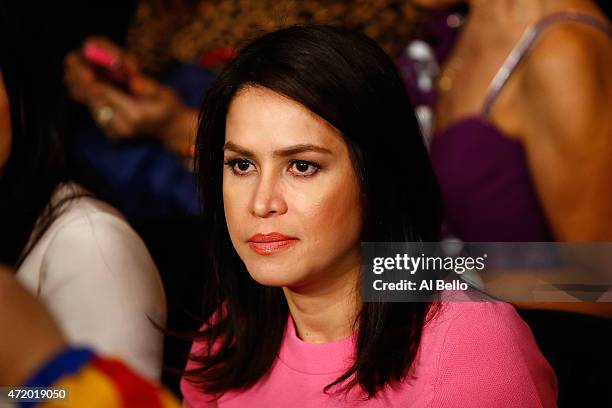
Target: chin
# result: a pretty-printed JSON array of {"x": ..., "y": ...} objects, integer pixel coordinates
[
  {"x": 273, "y": 276},
  {"x": 275, "y": 270},
  {"x": 279, "y": 269}
]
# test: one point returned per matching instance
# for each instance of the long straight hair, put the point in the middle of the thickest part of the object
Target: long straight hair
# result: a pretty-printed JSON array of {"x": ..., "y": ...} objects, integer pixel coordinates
[
  {"x": 345, "y": 78},
  {"x": 37, "y": 161}
]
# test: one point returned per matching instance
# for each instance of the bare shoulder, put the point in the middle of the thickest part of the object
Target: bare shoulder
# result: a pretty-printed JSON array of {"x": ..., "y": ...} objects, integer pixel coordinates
[
  {"x": 567, "y": 80},
  {"x": 568, "y": 44},
  {"x": 570, "y": 55}
]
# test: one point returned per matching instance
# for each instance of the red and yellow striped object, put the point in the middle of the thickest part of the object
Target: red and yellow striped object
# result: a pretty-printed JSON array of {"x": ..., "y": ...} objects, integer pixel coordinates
[{"x": 96, "y": 382}]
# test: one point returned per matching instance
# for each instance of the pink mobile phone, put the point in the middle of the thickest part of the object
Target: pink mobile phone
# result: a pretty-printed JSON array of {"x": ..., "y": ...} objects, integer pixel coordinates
[{"x": 107, "y": 64}]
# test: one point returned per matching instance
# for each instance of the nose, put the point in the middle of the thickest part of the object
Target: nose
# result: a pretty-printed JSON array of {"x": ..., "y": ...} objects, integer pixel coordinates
[{"x": 268, "y": 199}]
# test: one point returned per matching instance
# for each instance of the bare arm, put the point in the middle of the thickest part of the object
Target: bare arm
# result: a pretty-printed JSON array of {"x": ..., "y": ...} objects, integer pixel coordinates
[
  {"x": 567, "y": 131},
  {"x": 29, "y": 335}
]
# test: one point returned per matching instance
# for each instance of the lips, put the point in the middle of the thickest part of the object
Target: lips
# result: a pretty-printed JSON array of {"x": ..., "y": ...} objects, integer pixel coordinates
[{"x": 268, "y": 244}]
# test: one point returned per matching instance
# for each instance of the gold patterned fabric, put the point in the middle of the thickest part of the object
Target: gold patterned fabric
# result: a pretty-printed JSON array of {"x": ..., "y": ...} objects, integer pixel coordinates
[{"x": 171, "y": 31}]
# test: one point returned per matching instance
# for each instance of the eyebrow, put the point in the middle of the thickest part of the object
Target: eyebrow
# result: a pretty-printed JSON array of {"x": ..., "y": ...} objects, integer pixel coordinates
[{"x": 289, "y": 151}]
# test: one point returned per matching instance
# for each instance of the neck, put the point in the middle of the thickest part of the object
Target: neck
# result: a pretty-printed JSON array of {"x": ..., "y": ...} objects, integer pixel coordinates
[{"x": 326, "y": 313}]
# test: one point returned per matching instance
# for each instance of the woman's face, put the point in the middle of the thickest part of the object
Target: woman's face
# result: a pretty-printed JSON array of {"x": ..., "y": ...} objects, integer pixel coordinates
[
  {"x": 290, "y": 192},
  {"x": 5, "y": 126}
]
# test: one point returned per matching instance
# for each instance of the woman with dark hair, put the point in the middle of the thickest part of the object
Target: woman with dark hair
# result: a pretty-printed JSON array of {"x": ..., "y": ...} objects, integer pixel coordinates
[
  {"x": 73, "y": 251},
  {"x": 308, "y": 146}
]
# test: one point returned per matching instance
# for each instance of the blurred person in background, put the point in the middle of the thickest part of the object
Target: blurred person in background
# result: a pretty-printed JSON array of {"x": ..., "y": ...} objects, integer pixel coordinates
[
  {"x": 73, "y": 251},
  {"x": 522, "y": 140},
  {"x": 522, "y": 147}
]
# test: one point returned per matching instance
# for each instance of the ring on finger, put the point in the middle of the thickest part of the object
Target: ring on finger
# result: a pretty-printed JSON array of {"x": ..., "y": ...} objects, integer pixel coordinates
[{"x": 104, "y": 115}]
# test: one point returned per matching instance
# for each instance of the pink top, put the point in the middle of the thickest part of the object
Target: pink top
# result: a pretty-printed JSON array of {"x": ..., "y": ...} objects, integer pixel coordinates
[{"x": 476, "y": 354}]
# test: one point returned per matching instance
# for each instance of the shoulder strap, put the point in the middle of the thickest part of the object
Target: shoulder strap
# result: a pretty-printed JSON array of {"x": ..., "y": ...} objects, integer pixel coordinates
[{"x": 527, "y": 40}]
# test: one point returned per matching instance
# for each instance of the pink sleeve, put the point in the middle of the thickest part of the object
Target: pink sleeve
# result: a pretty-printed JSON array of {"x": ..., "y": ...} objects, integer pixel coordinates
[
  {"x": 192, "y": 395},
  {"x": 489, "y": 358}
]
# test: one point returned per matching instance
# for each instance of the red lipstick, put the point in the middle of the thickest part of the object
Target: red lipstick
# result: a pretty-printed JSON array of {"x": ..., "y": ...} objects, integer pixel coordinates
[{"x": 267, "y": 244}]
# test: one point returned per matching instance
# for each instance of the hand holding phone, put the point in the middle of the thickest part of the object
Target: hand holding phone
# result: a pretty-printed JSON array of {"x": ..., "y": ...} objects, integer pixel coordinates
[{"x": 107, "y": 64}]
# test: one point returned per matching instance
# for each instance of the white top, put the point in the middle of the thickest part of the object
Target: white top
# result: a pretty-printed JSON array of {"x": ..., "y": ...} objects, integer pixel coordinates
[{"x": 97, "y": 278}]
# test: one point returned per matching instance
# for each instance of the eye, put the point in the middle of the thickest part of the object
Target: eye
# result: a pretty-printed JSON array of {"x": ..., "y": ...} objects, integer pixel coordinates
[
  {"x": 240, "y": 167},
  {"x": 303, "y": 168}
]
